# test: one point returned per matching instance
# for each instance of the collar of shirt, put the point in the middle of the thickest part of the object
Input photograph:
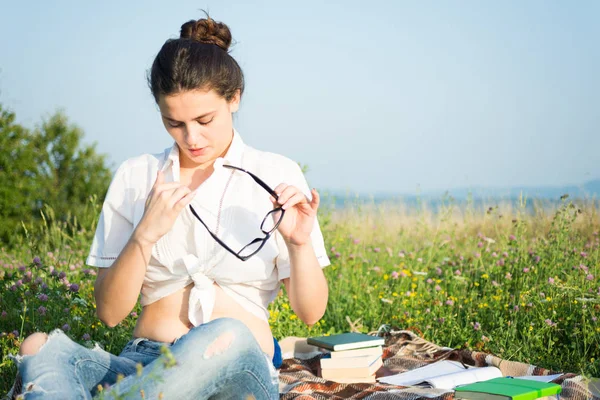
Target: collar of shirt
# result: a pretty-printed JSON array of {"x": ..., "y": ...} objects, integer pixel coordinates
[{"x": 232, "y": 157}]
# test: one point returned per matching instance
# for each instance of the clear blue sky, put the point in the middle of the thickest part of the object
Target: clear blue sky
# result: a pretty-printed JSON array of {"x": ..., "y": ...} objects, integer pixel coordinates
[{"x": 373, "y": 96}]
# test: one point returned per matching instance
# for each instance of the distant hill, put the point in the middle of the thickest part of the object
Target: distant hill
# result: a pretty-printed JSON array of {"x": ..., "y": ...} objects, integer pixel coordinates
[
  {"x": 588, "y": 190},
  {"x": 481, "y": 195}
]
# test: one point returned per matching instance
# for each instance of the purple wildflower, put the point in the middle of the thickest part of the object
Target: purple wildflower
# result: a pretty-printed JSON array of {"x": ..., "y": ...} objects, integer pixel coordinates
[
  {"x": 457, "y": 272},
  {"x": 4, "y": 314},
  {"x": 590, "y": 277},
  {"x": 376, "y": 249},
  {"x": 37, "y": 261},
  {"x": 62, "y": 275},
  {"x": 43, "y": 297},
  {"x": 395, "y": 275},
  {"x": 66, "y": 327},
  {"x": 437, "y": 288},
  {"x": 430, "y": 281},
  {"x": 41, "y": 310},
  {"x": 449, "y": 302},
  {"x": 512, "y": 238},
  {"x": 476, "y": 326},
  {"x": 549, "y": 322},
  {"x": 551, "y": 280},
  {"x": 526, "y": 269},
  {"x": 86, "y": 336}
]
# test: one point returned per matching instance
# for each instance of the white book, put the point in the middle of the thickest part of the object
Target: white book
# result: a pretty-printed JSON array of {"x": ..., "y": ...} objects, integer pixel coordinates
[
  {"x": 442, "y": 375},
  {"x": 349, "y": 362},
  {"x": 367, "y": 351}
]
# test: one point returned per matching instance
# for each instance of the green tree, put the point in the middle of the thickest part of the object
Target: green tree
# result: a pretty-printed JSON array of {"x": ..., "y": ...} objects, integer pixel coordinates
[
  {"x": 19, "y": 190},
  {"x": 48, "y": 166}
]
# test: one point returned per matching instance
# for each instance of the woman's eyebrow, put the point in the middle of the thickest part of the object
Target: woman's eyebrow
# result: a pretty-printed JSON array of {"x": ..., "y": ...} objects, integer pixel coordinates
[{"x": 201, "y": 116}]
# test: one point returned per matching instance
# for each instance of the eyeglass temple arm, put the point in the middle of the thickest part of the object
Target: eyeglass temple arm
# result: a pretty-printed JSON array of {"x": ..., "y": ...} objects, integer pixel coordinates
[
  {"x": 209, "y": 231},
  {"x": 257, "y": 180}
]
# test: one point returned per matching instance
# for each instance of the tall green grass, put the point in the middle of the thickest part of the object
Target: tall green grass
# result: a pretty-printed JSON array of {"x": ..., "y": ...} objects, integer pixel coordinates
[{"x": 520, "y": 284}]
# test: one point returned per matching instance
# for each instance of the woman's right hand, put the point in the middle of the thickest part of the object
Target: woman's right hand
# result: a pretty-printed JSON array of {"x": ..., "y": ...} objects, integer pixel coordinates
[{"x": 163, "y": 205}]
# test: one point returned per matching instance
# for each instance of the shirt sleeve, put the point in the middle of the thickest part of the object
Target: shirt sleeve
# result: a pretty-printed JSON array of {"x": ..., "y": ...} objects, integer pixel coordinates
[
  {"x": 296, "y": 178},
  {"x": 115, "y": 224}
]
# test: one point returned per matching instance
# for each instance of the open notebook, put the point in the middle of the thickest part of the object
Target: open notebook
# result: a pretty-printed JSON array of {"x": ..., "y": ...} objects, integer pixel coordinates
[{"x": 442, "y": 375}]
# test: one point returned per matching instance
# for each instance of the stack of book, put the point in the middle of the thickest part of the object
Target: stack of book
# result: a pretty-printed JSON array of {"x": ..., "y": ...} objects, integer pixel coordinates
[{"x": 353, "y": 358}]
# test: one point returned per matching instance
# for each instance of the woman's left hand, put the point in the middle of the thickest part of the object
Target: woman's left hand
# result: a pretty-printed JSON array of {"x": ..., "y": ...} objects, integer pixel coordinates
[{"x": 300, "y": 213}]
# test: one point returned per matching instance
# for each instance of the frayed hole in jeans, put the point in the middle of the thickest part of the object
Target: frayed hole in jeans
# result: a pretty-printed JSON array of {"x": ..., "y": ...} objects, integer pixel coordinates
[{"x": 219, "y": 345}]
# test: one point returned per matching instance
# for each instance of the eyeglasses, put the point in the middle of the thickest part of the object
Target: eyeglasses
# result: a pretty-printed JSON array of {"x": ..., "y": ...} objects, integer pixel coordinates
[{"x": 269, "y": 224}]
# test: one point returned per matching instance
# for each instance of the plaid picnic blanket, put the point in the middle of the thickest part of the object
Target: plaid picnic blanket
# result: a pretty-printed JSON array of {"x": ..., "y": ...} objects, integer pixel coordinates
[{"x": 404, "y": 350}]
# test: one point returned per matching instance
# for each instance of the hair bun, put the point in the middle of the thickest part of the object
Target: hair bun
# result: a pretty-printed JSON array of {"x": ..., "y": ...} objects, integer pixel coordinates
[{"x": 207, "y": 30}]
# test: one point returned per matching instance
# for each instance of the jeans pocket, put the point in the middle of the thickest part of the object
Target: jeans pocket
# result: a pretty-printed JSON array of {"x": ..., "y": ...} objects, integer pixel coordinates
[
  {"x": 150, "y": 347},
  {"x": 128, "y": 347}
]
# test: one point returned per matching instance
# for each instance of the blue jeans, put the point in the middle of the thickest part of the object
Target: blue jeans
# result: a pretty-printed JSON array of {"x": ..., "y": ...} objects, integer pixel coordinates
[{"x": 217, "y": 360}]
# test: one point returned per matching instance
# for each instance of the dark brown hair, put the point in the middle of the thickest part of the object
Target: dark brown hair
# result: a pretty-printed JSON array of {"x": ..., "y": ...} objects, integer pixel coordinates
[{"x": 198, "y": 59}]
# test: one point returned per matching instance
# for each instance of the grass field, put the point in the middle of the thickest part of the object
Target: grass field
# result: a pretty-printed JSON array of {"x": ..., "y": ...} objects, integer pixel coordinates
[{"x": 522, "y": 285}]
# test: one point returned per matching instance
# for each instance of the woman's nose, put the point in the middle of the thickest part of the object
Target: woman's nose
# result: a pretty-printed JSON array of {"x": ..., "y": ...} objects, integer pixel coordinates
[{"x": 193, "y": 133}]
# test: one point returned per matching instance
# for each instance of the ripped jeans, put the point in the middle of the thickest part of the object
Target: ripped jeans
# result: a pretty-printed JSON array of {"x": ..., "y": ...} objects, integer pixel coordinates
[{"x": 217, "y": 360}]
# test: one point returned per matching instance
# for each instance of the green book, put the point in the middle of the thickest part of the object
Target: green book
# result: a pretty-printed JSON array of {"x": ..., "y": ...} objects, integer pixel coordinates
[
  {"x": 506, "y": 388},
  {"x": 346, "y": 341}
]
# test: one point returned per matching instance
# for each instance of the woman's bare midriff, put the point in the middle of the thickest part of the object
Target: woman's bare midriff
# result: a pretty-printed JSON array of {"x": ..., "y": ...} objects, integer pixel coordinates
[{"x": 167, "y": 319}]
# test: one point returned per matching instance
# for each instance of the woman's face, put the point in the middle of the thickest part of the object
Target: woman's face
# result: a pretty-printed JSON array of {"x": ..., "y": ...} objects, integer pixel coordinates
[{"x": 200, "y": 122}]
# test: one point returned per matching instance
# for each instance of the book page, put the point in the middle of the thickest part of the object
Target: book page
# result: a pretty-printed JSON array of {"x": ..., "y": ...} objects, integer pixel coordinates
[
  {"x": 472, "y": 375},
  {"x": 422, "y": 374},
  {"x": 540, "y": 378}
]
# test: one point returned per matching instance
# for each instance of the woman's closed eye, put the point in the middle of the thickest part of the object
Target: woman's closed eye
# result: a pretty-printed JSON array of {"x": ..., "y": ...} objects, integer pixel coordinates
[
  {"x": 175, "y": 124},
  {"x": 205, "y": 123}
]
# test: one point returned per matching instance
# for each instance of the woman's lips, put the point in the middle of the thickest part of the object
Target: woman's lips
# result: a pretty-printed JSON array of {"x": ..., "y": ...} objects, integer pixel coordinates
[{"x": 198, "y": 152}]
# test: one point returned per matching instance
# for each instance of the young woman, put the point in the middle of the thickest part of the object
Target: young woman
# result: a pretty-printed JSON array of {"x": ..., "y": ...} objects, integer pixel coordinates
[{"x": 205, "y": 231}]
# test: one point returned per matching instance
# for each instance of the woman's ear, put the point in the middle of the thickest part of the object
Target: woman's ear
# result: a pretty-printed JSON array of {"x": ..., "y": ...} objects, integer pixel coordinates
[{"x": 234, "y": 104}]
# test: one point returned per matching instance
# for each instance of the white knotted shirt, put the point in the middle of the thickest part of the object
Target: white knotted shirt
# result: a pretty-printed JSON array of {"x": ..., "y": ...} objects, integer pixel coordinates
[{"x": 233, "y": 207}]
